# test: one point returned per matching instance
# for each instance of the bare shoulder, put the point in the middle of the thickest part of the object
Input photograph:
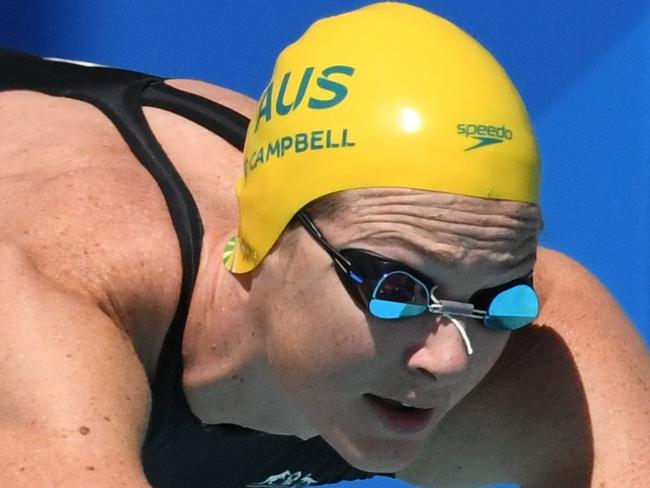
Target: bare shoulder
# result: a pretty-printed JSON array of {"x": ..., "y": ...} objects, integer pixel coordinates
[
  {"x": 75, "y": 396},
  {"x": 77, "y": 200},
  {"x": 555, "y": 272},
  {"x": 575, "y": 303},
  {"x": 88, "y": 215},
  {"x": 208, "y": 164},
  {"x": 91, "y": 273},
  {"x": 88, "y": 265},
  {"x": 565, "y": 405}
]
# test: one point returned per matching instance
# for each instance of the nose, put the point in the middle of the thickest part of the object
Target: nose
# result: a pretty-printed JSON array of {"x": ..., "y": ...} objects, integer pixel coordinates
[{"x": 444, "y": 351}]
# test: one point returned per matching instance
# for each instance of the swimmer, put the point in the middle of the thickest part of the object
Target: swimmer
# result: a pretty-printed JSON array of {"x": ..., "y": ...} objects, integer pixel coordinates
[{"x": 351, "y": 287}]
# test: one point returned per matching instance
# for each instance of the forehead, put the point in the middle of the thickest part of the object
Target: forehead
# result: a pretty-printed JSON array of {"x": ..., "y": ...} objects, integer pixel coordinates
[{"x": 438, "y": 233}]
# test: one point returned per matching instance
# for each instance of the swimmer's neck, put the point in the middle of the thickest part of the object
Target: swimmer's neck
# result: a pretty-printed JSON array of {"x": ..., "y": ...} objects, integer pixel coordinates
[{"x": 227, "y": 377}]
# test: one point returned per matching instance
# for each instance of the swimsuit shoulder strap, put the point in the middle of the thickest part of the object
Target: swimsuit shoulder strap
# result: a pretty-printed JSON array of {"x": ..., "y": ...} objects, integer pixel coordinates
[{"x": 121, "y": 95}]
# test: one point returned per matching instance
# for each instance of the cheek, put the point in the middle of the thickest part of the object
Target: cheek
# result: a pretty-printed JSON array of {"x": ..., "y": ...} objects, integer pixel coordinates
[
  {"x": 488, "y": 345},
  {"x": 318, "y": 340}
]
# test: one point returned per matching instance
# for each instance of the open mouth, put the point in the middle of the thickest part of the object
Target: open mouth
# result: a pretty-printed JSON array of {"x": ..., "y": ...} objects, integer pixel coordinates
[{"x": 399, "y": 416}]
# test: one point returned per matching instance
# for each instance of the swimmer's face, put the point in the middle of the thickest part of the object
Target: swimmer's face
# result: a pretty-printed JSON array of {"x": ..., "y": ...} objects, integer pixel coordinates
[{"x": 338, "y": 364}]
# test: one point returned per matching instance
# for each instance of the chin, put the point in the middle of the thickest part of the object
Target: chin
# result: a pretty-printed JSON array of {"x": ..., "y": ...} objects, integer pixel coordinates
[
  {"x": 382, "y": 463},
  {"x": 378, "y": 456}
]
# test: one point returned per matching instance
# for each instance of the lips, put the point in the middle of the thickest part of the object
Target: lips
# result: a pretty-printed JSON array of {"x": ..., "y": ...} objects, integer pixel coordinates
[{"x": 400, "y": 417}]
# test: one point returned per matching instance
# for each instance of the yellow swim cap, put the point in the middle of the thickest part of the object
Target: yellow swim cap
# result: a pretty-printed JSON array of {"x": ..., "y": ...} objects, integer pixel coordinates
[{"x": 389, "y": 95}]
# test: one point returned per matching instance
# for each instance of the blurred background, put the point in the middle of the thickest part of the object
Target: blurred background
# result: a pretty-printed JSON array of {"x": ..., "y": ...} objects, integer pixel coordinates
[{"x": 583, "y": 69}]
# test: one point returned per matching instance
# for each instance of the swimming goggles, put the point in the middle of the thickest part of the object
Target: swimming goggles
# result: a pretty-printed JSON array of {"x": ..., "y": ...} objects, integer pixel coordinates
[{"x": 391, "y": 290}]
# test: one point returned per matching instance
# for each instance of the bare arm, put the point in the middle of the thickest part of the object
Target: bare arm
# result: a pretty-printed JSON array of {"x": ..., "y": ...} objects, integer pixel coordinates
[
  {"x": 614, "y": 371},
  {"x": 88, "y": 252},
  {"x": 565, "y": 406},
  {"x": 73, "y": 395}
]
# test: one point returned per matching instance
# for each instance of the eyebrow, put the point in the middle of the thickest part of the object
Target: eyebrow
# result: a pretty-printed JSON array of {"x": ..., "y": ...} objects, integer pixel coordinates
[
  {"x": 442, "y": 257},
  {"x": 445, "y": 253},
  {"x": 419, "y": 274}
]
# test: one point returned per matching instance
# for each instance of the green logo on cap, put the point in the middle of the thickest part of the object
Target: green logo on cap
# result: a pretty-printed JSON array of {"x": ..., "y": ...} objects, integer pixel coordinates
[
  {"x": 276, "y": 104},
  {"x": 485, "y": 134}
]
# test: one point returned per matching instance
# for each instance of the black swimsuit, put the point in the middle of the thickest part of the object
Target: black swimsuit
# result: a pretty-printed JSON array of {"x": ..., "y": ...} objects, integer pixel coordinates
[{"x": 180, "y": 451}]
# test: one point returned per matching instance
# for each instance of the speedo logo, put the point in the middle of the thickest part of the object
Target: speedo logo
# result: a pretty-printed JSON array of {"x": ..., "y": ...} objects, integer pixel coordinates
[
  {"x": 486, "y": 135},
  {"x": 275, "y": 102}
]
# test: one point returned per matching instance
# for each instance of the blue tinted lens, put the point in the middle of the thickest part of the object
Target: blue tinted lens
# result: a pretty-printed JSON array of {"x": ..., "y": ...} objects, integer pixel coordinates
[
  {"x": 385, "y": 309},
  {"x": 513, "y": 308},
  {"x": 397, "y": 295}
]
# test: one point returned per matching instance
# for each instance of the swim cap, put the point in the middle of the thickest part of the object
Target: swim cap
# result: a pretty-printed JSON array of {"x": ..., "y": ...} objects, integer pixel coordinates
[{"x": 389, "y": 95}]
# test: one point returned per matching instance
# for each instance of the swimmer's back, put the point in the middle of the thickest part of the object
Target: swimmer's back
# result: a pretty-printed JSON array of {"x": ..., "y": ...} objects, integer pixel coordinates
[{"x": 89, "y": 282}]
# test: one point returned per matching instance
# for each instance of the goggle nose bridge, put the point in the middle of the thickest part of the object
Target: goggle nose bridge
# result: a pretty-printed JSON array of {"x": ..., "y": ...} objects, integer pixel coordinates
[{"x": 451, "y": 307}]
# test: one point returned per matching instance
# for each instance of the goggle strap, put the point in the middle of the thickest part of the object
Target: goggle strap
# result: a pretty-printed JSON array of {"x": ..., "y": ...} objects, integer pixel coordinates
[
  {"x": 355, "y": 277},
  {"x": 339, "y": 259}
]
